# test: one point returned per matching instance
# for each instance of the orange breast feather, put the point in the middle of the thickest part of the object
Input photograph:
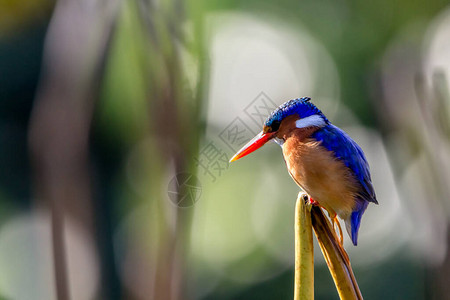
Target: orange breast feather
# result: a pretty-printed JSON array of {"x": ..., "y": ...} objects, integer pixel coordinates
[{"x": 326, "y": 179}]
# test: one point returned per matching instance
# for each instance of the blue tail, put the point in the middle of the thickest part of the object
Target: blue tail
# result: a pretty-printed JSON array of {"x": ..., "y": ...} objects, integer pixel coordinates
[{"x": 353, "y": 222}]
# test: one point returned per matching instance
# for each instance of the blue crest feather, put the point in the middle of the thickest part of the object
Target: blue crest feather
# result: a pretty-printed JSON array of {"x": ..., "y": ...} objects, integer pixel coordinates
[{"x": 300, "y": 106}]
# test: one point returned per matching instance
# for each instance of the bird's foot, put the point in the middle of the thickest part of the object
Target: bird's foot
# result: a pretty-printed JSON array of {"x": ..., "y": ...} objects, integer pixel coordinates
[
  {"x": 313, "y": 202},
  {"x": 310, "y": 201},
  {"x": 338, "y": 225},
  {"x": 341, "y": 239}
]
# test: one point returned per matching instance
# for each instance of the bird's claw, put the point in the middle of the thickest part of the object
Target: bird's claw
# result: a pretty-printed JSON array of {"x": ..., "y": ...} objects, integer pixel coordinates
[
  {"x": 313, "y": 202},
  {"x": 310, "y": 201},
  {"x": 336, "y": 224}
]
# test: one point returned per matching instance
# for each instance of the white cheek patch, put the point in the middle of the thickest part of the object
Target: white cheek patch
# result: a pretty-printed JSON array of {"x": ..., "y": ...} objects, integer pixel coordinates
[{"x": 311, "y": 121}]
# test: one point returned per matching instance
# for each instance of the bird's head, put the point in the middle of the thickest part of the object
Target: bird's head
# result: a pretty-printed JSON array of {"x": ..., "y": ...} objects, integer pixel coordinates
[{"x": 294, "y": 114}]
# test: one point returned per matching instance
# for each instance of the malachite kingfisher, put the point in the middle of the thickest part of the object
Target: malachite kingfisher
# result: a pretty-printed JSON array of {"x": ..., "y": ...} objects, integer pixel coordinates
[{"x": 322, "y": 159}]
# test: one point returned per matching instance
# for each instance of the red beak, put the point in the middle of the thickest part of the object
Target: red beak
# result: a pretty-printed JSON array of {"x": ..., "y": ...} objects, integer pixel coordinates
[{"x": 257, "y": 142}]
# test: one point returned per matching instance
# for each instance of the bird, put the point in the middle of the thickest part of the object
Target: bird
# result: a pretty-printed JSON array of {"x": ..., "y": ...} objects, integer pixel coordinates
[{"x": 322, "y": 159}]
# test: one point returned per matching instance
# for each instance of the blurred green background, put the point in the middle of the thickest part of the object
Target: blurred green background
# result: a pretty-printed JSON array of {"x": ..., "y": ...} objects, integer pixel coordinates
[{"x": 118, "y": 117}]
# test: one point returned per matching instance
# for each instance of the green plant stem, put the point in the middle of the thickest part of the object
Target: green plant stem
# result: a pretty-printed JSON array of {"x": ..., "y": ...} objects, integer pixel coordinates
[{"x": 304, "y": 250}]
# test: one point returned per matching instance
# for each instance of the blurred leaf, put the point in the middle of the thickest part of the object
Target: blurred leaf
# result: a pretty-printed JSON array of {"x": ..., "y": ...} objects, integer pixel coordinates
[{"x": 15, "y": 14}]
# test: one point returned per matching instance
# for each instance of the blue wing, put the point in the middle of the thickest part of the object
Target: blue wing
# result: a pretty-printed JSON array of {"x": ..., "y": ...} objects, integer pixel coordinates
[
  {"x": 336, "y": 140},
  {"x": 339, "y": 142}
]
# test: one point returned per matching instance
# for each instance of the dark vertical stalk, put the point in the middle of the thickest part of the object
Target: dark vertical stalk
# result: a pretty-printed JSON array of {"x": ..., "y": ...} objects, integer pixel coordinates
[
  {"x": 61, "y": 118},
  {"x": 59, "y": 253}
]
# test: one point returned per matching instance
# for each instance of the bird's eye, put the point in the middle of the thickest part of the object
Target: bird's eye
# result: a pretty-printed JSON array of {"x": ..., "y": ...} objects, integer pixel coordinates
[{"x": 275, "y": 125}]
